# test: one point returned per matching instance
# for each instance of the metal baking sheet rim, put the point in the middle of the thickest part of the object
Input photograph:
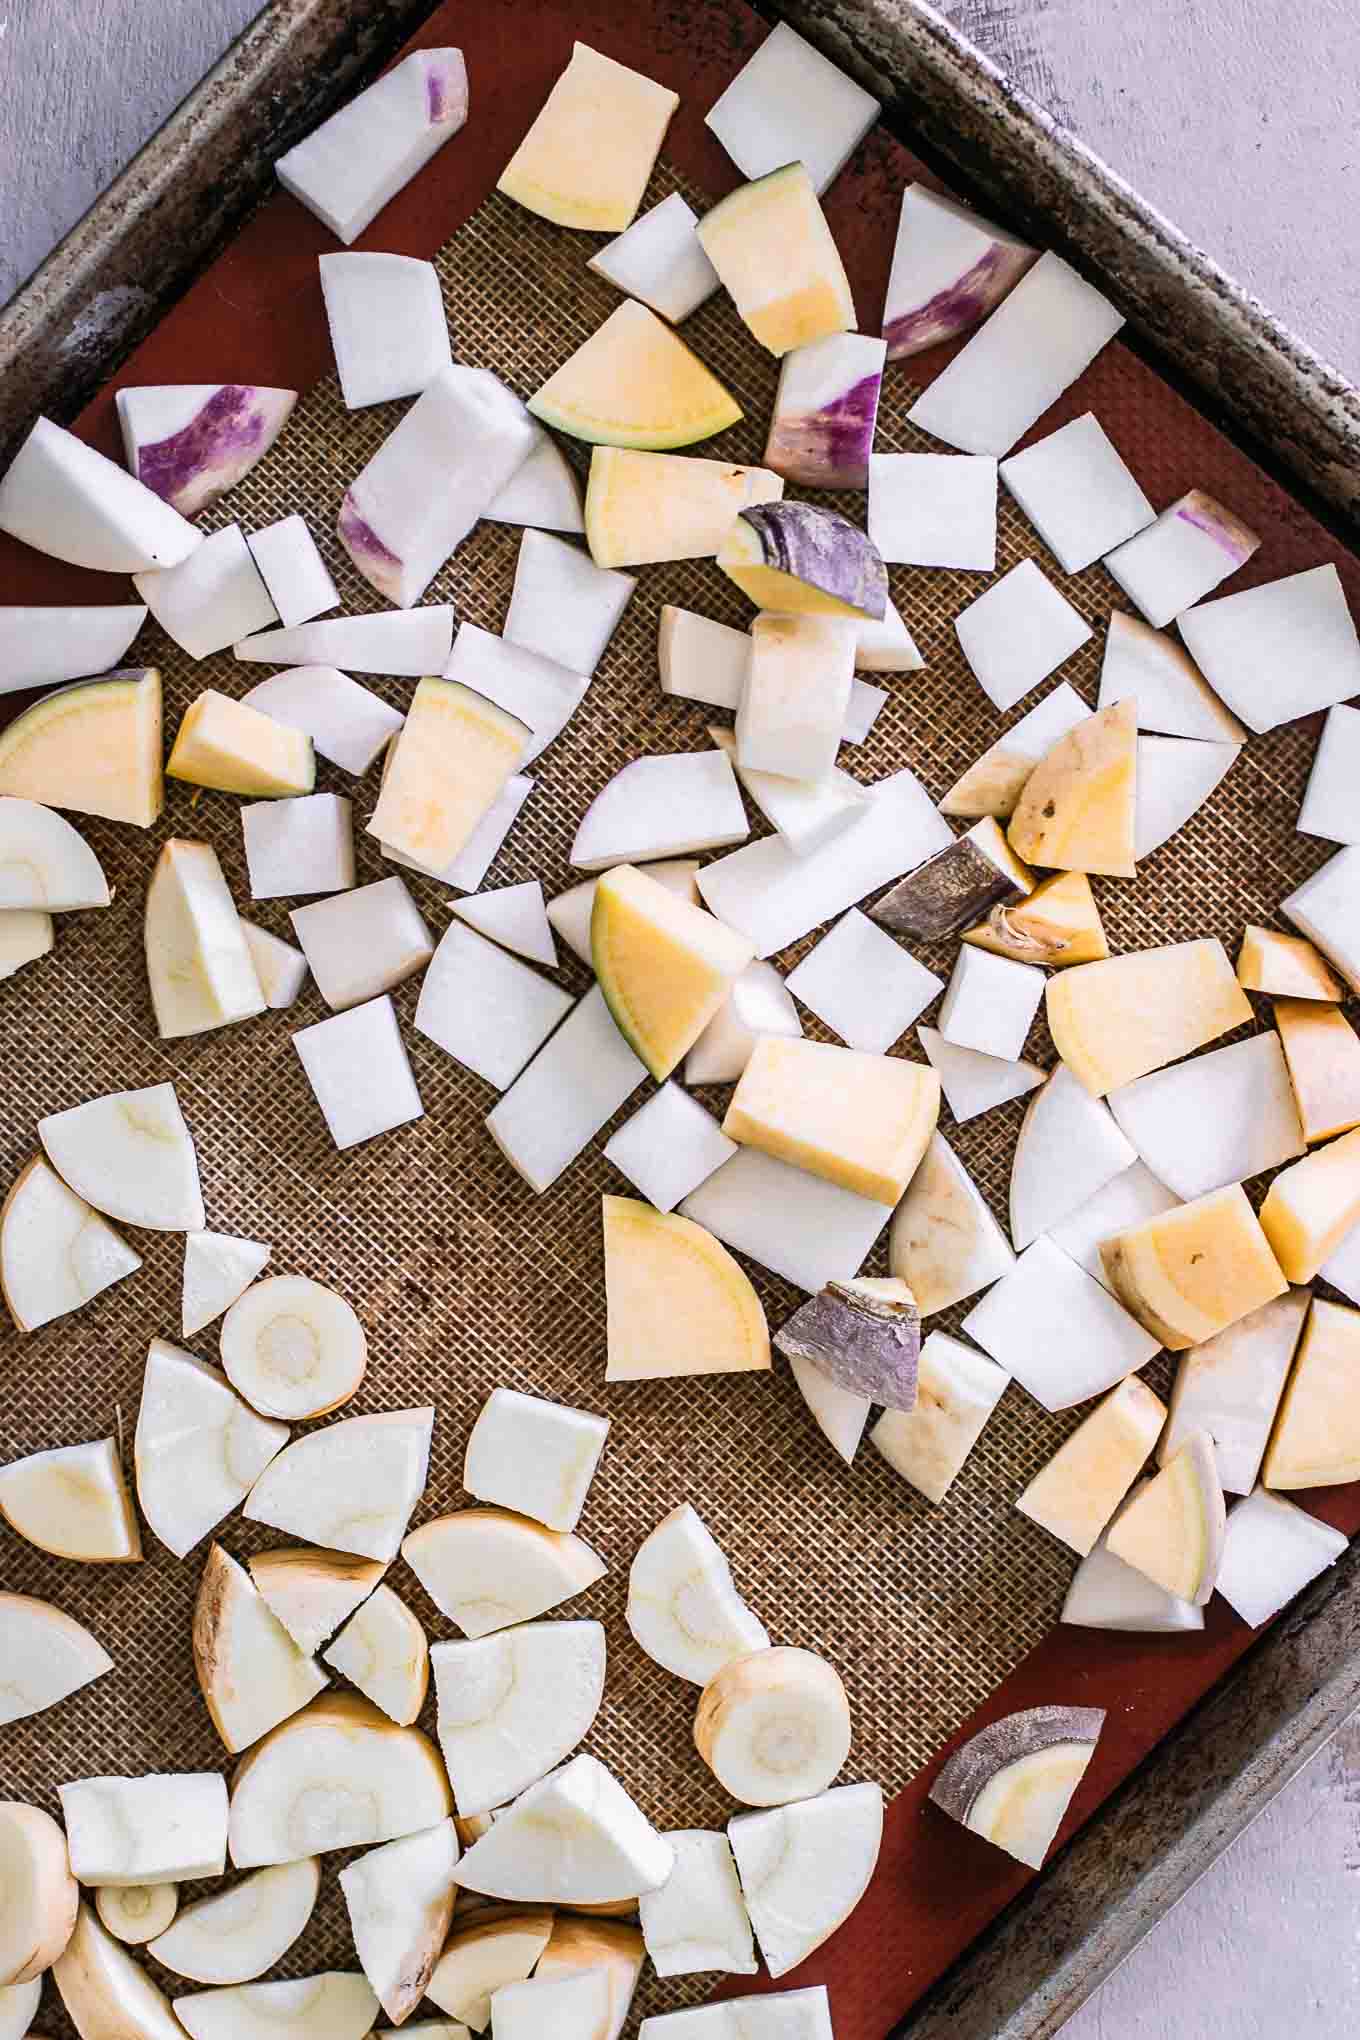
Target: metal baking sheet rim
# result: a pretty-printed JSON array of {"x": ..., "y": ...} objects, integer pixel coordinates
[{"x": 109, "y": 281}]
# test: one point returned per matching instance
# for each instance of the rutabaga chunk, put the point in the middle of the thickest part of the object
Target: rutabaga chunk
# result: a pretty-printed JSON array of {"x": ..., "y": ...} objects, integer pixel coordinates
[
  {"x": 533, "y": 1456},
  {"x": 839, "y": 1415},
  {"x": 661, "y": 807},
  {"x": 407, "y": 644},
  {"x": 798, "y": 1225},
  {"x": 770, "y": 243},
  {"x": 61, "y": 497},
  {"x": 1127, "y": 1199},
  {"x": 485, "y": 1009},
  {"x": 994, "y": 784},
  {"x": 1068, "y": 1150},
  {"x": 351, "y": 1486},
  {"x": 863, "y": 985},
  {"x": 586, "y": 159},
  {"x": 1012, "y": 1782},
  {"x": 1114, "y": 1021},
  {"x": 337, "y": 2003},
  {"x": 1327, "y": 909},
  {"x": 1039, "y": 340},
  {"x": 1314, "y": 1442},
  {"x": 357, "y": 1066},
  {"x": 1189, "y": 1273},
  {"x": 47, "y": 1656},
  {"x": 1322, "y": 1052},
  {"x": 1176, "y": 777},
  {"x": 514, "y": 916},
  {"x": 1075, "y": 1494},
  {"x": 56, "y": 1253},
  {"x": 865, "y": 1335},
  {"x": 347, "y": 169},
  {"x": 223, "y": 745},
  {"x": 1182, "y": 556},
  {"x": 660, "y": 260},
  {"x": 644, "y": 507},
  {"x": 669, "y": 1147},
  {"x": 97, "y": 1980},
  {"x": 1278, "y": 651},
  {"x": 822, "y": 431},
  {"x": 445, "y": 772},
  {"x": 974, "y": 1083},
  {"x": 1017, "y": 632},
  {"x": 934, "y": 509},
  {"x": 1173, "y": 1528},
  {"x": 944, "y": 1242},
  {"x": 388, "y": 330},
  {"x": 46, "y": 863},
  {"x": 804, "y": 1868},
  {"x": 382, "y": 1650},
  {"x": 1077, "y": 493},
  {"x": 541, "y": 692},
  {"x": 46, "y": 646},
  {"x": 1312, "y": 1205},
  {"x": 560, "y": 1102},
  {"x": 346, "y": 723},
  {"x": 281, "y": 969},
  {"x": 778, "y": 2015},
  {"x": 1063, "y": 1337},
  {"x": 131, "y": 1156},
  {"x": 575, "y": 1838},
  {"x": 151, "y": 1830},
  {"x": 303, "y": 845},
  {"x": 362, "y": 943},
  {"x": 250, "y": 1672},
  {"x": 950, "y": 268},
  {"x": 1076, "y": 810},
  {"x": 796, "y": 694},
  {"x": 400, "y": 1899},
  {"x": 94, "y": 747},
  {"x": 1329, "y": 806},
  {"x": 235, "y": 1935},
  {"x": 73, "y": 1501},
  {"x": 788, "y": 101},
  {"x": 487, "y": 1569},
  {"x": 1057, "y": 924},
  {"x": 25, "y": 935},
  {"x": 805, "y": 813},
  {"x": 957, "y": 1392},
  {"x": 1217, "y": 1119},
  {"x": 199, "y": 966},
  {"x": 1231, "y": 1388},
  {"x": 635, "y": 383},
  {"x": 1108, "y": 1594},
  {"x": 1285, "y": 966},
  {"x": 1271, "y": 1551},
  {"x": 467, "y": 870},
  {"x": 296, "y": 578},
  {"x": 562, "y": 606},
  {"x": 978, "y": 872},
  {"x": 543, "y": 493},
  {"x": 513, "y": 1706},
  {"x": 697, "y": 1922},
  {"x": 990, "y": 1004},
  {"x": 198, "y": 1450},
  {"x": 1169, "y": 691},
  {"x": 212, "y": 598},
  {"x": 774, "y": 1726},
  {"x": 758, "y": 1003},
  {"x": 860, "y": 1121}
]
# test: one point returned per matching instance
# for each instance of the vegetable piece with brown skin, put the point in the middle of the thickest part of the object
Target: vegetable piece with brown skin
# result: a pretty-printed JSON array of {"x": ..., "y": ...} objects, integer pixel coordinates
[{"x": 863, "y": 1335}]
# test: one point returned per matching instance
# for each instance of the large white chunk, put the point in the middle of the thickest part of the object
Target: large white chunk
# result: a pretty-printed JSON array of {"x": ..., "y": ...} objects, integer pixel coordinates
[
  {"x": 251, "y": 1673},
  {"x": 575, "y": 1838},
  {"x": 280, "y": 969},
  {"x": 543, "y": 492},
  {"x": 336, "y": 2005},
  {"x": 973, "y": 1083},
  {"x": 47, "y": 1656},
  {"x": 295, "y": 576},
  {"x": 73, "y": 1501},
  {"x": 1271, "y": 1551},
  {"x": 388, "y": 330},
  {"x": 804, "y": 1868},
  {"x": 660, "y": 260},
  {"x": 944, "y": 1243},
  {"x": 486, "y": 1009},
  {"x": 44, "y": 862},
  {"x": 1126, "y": 1200},
  {"x": 515, "y": 917},
  {"x": 560, "y": 1102},
  {"x": 1329, "y": 805},
  {"x": 683, "y": 1608},
  {"x": 1278, "y": 651},
  {"x": 697, "y": 1922},
  {"x": 63, "y": 498},
  {"x": 1150, "y": 668},
  {"x": 400, "y": 1900},
  {"x": 153, "y": 1830},
  {"x": 488, "y": 1568},
  {"x": 780, "y": 2015},
  {"x": 562, "y": 605},
  {"x": 513, "y": 1706},
  {"x": 105, "y": 1990},
  {"x": 1217, "y": 1119},
  {"x": 957, "y": 1390},
  {"x": 570, "y": 2007},
  {"x": 347, "y": 169},
  {"x": 790, "y": 103},
  {"x": 199, "y": 1450},
  {"x": 1326, "y": 908},
  {"x": 1231, "y": 1388},
  {"x": 347, "y": 723},
  {"x": 536, "y": 1457},
  {"x": 706, "y": 661},
  {"x": 805, "y": 813},
  {"x": 669, "y": 1147},
  {"x": 661, "y": 807},
  {"x": 303, "y": 845},
  {"x": 56, "y": 1253},
  {"x": 407, "y": 644},
  {"x": 542, "y": 692},
  {"x": 1175, "y": 777},
  {"x": 1069, "y": 1148},
  {"x": 357, "y": 1066},
  {"x": 362, "y": 943},
  {"x": 1077, "y": 493},
  {"x": 1181, "y": 556},
  {"x": 994, "y": 784},
  {"x": 934, "y": 509},
  {"x": 990, "y": 1004},
  {"x": 758, "y": 1003},
  {"x": 865, "y": 986},
  {"x": 1017, "y": 632},
  {"x": 1108, "y": 1594},
  {"x": 1061, "y": 1335},
  {"x": 131, "y": 1156},
  {"x": 48, "y": 645},
  {"x": 351, "y": 1486},
  {"x": 801, "y": 1227},
  {"x": 212, "y": 598}
]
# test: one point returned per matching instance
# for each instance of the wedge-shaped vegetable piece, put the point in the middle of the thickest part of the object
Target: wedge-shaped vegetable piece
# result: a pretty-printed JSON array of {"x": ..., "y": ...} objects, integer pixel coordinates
[
  {"x": 806, "y": 812},
  {"x": 387, "y": 326},
  {"x": 822, "y": 431},
  {"x": 41, "y": 1895},
  {"x": 1324, "y": 907},
  {"x": 668, "y": 1147},
  {"x": 862, "y": 1122},
  {"x": 799, "y": 559},
  {"x": 977, "y": 872},
  {"x": 213, "y": 598},
  {"x": 1231, "y": 1388},
  {"x": 293, "y": 1348},
  {"x": 664, "y": 966},
  {"x": 55, "y": 1252},
  {"x": 802, "y": 1227},
  {"x": 400, "y": 1899},
  {"x": 485, "y": 1008},
  {"x": 866, "y": 987},
  {"x": 135, "y": 1913},
  {"x": 407, "y": 644},
  {"x": 611, "y": 1947},
  {"x": 1216, "y": 1120},
  {"x": 787, "y": 99},
  {"x": 250, "y": 1672},
  {"x": 347, "y": 169},
  {"x": 1069, "y": 1148},
  {"x": 804, "y": 1868},
  {"x": 224, "y": 745},
  {"x": 944, "y": 1242},
  {"x": 1278, "y": 651},
  {"x": 95, "y": 748},
  {"x": 575, "y": 1083},
  {"x": 106, "y": 1992},
  {"x": 934, "y": 509},
  {"x": 363, "y": 942},
  {"x": 661, "y": 807},
  {"x": 994, "y": 784},
  {"x": 166, "y": 1827},
  {"x": 47, "y": 1656},
  {"x": 659, "y": 260},
  {"x": 1176, "y": 778},
  {"x": 131, "y": 1156},
  {"x": 351, "y": 1486},
  {"x": 1018, "y": 632},
  {"x": 1322, "y": 1053},
  {"x": 973, "y": 1083},
  {"x": 1126, "y": 1200},
  {"x": 635, "y": 383},
  {"x": 337, "y": 2005},
  {"x": 586, "y": 159},
  {"x": 46, "y": 863},
  {"x": 950, "y": 268},
  {"x": 957, "y": 1390},
  {"x": 450, "y": 763},
  {"x": 1193, "y": 1271},
  {"x": 313, "y": 1592},
  {"x": 990, "y": 1004},
  {"x": 757, "y": 1004},
  {"x": 61, "y": 497},
  {"x": 47, "y": 645},
  {"x": 1327, "y": 808},
  {"x": 865, "y": 1335},
  {"x": 1270, "y": 1553},
  {"x": 774, "y": 1726},
  {"x": 1082, "y": 1485},
  {"x": 772, "y": 248},
  {"x": 217, "y": 1269},
  {"x": 683, "y": 1609},
  {"x": 575, "y": 1838},
  {"x": 678, "y": 1304},
  {"x": 574, "y": 2007},
  {"x": 543, "y": 492},
  {"x": 778, "y": 2015},
  {"x": 345, "y": 722},
  {"x": 382, "y": 1650},
  {"x": 644, "y": 507},
  {"x": 198, "y": 964},
  {"x": 512, "y": 1707},
  {"x": 1312, "y": 1205},
  {"x": 797, "y": 689},
  {"x": 514, "y": 916},
  {"x": 484, "y": 1954},
  {"x": 563, "y": 608},
  {"x": 1108, "y": 1594},
  {"x": 25, "y": 935},
  {"x": 1121, "y": 1019},
  {"x": 1076, "y": 811},
  {"x": 360, "y": 1074},
  {"x": 1173, "y": 1528},
  {"x": 1181, "y": 556},
  {"x": 198, "y": 1449},
  {"x": 533, "y": 1456},
  {"x": 1077, "y": 493},
  {"x": 73, "y": 1501},
  {"x": 697, "y": 1923},
  {"x": 426, "y": 2029},
  {"x": 487, "y": 1568},
  {"x": 1169, "y": 691},
  {"x": 293, "y": 571},
  {"x": 1062, "y": 1335},
  {"x": 1314, "y": 1443},
  {"x": 1013, "y": 1781},
  {"x": 1057, "y": 924},
  {"x": 1285, "y": 966},
  {"x": 297, "y": 846}
]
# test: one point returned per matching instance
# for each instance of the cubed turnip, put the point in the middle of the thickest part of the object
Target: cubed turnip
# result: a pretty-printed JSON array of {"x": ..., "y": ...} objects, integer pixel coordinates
[
  {"x": 348, "y": 169},
  {"x": 1176, "y": 776},
  {"x": 305, "y": 845},
  {"x": 797, "y": 1225},
  {"x": 1330, "y": 804},
  {"x": 478, "y": 854},
  {"x": 543, "y": 492},
  {"x": 796, "y": 694},
  {"x": 359, "y": 944},
  {"x": 281, "y": 969},
  {"x": 1278, "y": 651},
  {"x": 46, "y": 646},
  {"x": 514, "y": 916},
  {"x": 1271, "y": 1551},
  {"x": 486, "y": 1009},
  {"x": 1017, "y": 632},
  {"x": 661, "y": 807},
  {"x": 1173, "y": 696},
  {"x": 974, "y": 1083},
  {"x": 950, "y": 268},
  {"x": 212, "y": 599},
  {"x": 1214, "y": 1119},
  {"x": 61, "y": 497},
  {"x": 1063, "y": 1337},
  {"x": 405, "y": 644},
  {"x": 865, "y": 986},
  {"x": 571, "y": 1088},
  {"x": 388, "y": 330},
  {"x": 542, "y": 693},
  {"x": 669, "y": 1147},
  {"x": 1069, "y": 1148},
  {"x": 990, "y": 1004},
  {"x": 822, "y": 430},
  {"x": 1077, "y": 493},
  {"x": 357, "y": 1066},
  {"x": 1326, "y": 908},
  {"x": 562, "y": 605},
  {"x": 799, "y": 557},
  {"x": 934, "y": 509},
  {"x": 805, "y": 813},
  {"x": 757, "y": 1004},
  {"x": 1180, "y": 557},
  {"x": 790, "y": 103},
  {"x": 346, "y": 722},
  {"x": 298, "y": 580},
  {"x": 660, "y": 261},
  {"x": 191, "y": 442}
]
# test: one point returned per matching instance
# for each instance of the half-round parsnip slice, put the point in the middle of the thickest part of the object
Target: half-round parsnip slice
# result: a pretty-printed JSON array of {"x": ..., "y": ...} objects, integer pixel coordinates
[
  {"x": 486, "y": 1568},
  {"x": 18, "y": 2008},
  {"x": 515, "y": 1705},
  {"x": 339, "y": 1775},
  {"x": 131, "y": 1156},
  {"x": 74, "y": 1503},
  {"x": 683, "y": 1609},
  {"x": 804, "y": 1868},
  {"x": 774, "y": 1726},
  {"x": 382, "y": 1650},
  {"x": 313, "y": 1592},
  {"x": 198, "y": 1450},
  {"x": 574, "y": 1838},
  {"x": 400, "y": 1900},
  {"x": 352, "y": 1486},
  {"x": 108, "y": 1995},
  {"x": 56, "y": 1253},
  {"x": 250, "y": 1672},
  {"x": 1012, "y": 1782},
  {"x": 136, "y": 1913},
  {"x": 40, "y": 1895},
  {"x": 46, "y": 1654},
  {"x": 479, "y": 1957},
  {"x": 233, "y": 1936},
  {"x": 293, "y": 1348},
  {"x": 336, "y": 2005},
  {"x": 678, "y": 1302},
  {"x": 612, "y": 1945},
  {"x": 46, "y": 863}
]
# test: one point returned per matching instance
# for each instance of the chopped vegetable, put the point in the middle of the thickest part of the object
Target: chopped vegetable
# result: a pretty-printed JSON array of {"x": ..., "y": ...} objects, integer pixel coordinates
[
  {"x": 678, "y": 1304},
  {"x": 798, "y": 1225},
  {"x": 312, "y": 1592},
  {"x": 346, "y": 723},
  {"x": 1069, "y": 1148},
  {"x": 234, "y": 1935},
  {"x": 788, "y": 99},
  {"x": 1270, "y": 1553},
  {"x": 1314, "y": 1442},
  {"x": 74, "y": 1502},
  {"x": 950, "y": 268},
  {"x": 44, "y": 646},
  {"x": 484, "y": 1008},
  {"x": 796, "y": 693},
  {"x": 488, "y": 1568},
  {"x": 211, "y": 599},
  {"x": 978, "y": 871},
  {"x": 822, "y": 430},
  {"x": 447, "y": 768},
  {"x": 973, "y": 1083},
  {"x": 1173, "y": 1528},
  {"x": 61, "y": 497},
  {"x": 146, "y": 1830},
  {"x": 773, "y": 1726},
  {"x": 1278, "y": 651},
  {"x": 660, "y": 260},
  {"x": 634, "y": 383},
  {"x": 863, "y": 985},
  {"x": 46, "y": 863},
  {"x": 1327, "y": 909},
  {"x": 135, "y": 1913},
  {"x": 860, "y": 1121},
  {"x": 408, "y": 644},
  {"x": 1063, "y": 1336},
  {"x": 303, "y": 845},
  {"x": 644, "y": 507},
  {"x": 1017, "y": 633},
  {"x": 347, "y": 170},
  {"x": 382, "y": 1650},
  {"x": 337, "y": 2005},
  {"x": 56, "y": 1253},
  {"x": 102, "y": 1987},
  {"x": 957, "y": 1392},
  {"x": 41, "y": 1895},
  {"x": 1126, "y": 1200},
  {"x": 1328, "y": 805},
  {"x": 543, "y": 492},
  {"x": 661, "y": 807},
  {"x": 1078, "y": 1490},
  {"x": 224, "y": 745},
  {"x": 400, "y": 1901},
  {"x": 1191, "y": 1272},
  {"x": 697, "y": 1922},
  {"x": 1117, "y": 1020},
  {"x": 865, "y": 1335},
  {"x": 1171, "y": 694},
  {"x": 1322, "y": 1052},
  {"x": 772, "y": 248},
  {"x": 664, "y": 966},
  {"x": 350, "y": 1487},
  {"x": 1181, "y": 556},
  {"x": 1231, "y": 1388},
  {"x": 1108, "y": 1594},
  {"x": 1077, "y": 811},
  {"x": 669, "y": 1147},
  {"x": 576, "y": 1838},
  {"x": 683, "y": 1608},
  {"x": 805, "y": 813},
  {"x": 250, "y": 1672},
  {"x": 387, "y": 324},
  {"x": 944, "y": 1242},
  {"x": 1312, "y": 1205},
  {"x": 295, "y": 576},
  {"x": 1077, "y": 493},
  {"x": 758, "y": 1003},
  {"x": 281, "y": 969},
  {"x": 48, "y": 1655},
  {"x": 1057, "y": 924},
  {"x": 483, "y": 1955},
  {"x": 586, "y": 160},
  {"x": 513, "y": 1706},
  {"x": 1176, "y": 776},
  {"x": 934, "y": 509},
  {"x": 1013, "y": 1781},
  {"x": 576, "y": 1082},
  {"x": 362, "y": 943},
  {"x": 994, "y": 784},
  {"x": 198, "y": 1449},
  {"x": 1218, "y": 1119},
  {"x": 990, "y": 1003},
  {"x": 533, "y": 1456}
]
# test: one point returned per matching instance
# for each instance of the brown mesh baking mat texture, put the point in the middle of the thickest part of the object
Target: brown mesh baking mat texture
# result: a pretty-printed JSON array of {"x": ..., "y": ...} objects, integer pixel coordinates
[{"x": 463, "y": 1278}]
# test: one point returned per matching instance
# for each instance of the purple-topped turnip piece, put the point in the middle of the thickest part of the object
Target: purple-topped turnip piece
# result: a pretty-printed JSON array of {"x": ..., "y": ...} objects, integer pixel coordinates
[
  {"x": 191, "y": 442},
  {"x": 934, "y": 509},
  {"x": 864, "y": 1335},
  {"x": 792, "y": 557},
  {"x": 406, "y": 644},
  {"x": 347, "y": 169},
  {"x": 1013, "y": 1781},
  {"x": 822, "y": 431},
  {"x": 950, "y": 268},
  {"x": 1182, "y": 557},
  {"x": 543, "y": 493},
  {"x": 1278, "y": 651},
  {"x": 42, "y": 647},
  {"x": 659, "y": 260},
  {"x": 430, "y": 480},
  {"x": 1077, "y": 493},
  {"x": 790, "y": 103},
  {"x": 388, "y": 329},
  {"x": 212, "y": 599},
  {"x": 298, "y": 580},
  {"x": 61, "y": 497}
]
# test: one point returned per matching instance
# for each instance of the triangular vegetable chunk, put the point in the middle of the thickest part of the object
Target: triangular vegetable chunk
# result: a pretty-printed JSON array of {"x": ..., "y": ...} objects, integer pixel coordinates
[
  {"x": 400, "y": 1899},
  {"x": 586, "y": 159},
  {"x": 44, "y": 862},
  {"x": 1176, "y": 776},
  {"x": 1171, "y": 694},
  {"x": 217, "y": 1269},
  {"x": 1013, "y": 1781},
  {"x": 1069, "y": 1148},
  {"x": 635, "y": 383},
  {"x": 131, "y": 1156},
  {"x": 56, "y": 1253},
  {"x": 488, "y": 1568},
  {"x": 1316, "y": 1441},
  {"x": 1057, "y": 924},
  {"x": 1077, "y": 811},
  {"x": 1173, "y": 1528},
  {"x": 73, "y": 1501},
  {"x": 972, "y": 1082},
  {"x": 514, "y": 916},
  {"x": 47, "y": 1656},
  {"x": 198, "y": 1447},
  {"x": 313, "y": 1591},
  {"x": 95, "y": 748},
  {"x": 250, "y": 1672},
  {"x": 576, "y": 1837},
  {"x": 664, "y": 966},
  {"x": 805, "y": 1867},
  {"x": 1119, "y": 1019},
  {"x": 678, "y": 1302},
  {"x": 1107, "y": 1594},
  {"x": 514, "y": 1705}
]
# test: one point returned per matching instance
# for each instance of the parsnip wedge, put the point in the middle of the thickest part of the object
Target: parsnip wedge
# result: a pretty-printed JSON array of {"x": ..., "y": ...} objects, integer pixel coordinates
[
  {"x": 1013, "y": 1781},
  {"x": 352, "y": 1485},
  {"x": 1108, "y": 1594},
  {"x": 1316, "y": 1440},
  {"x": 1082, "y": 1485},
  {"x": 135, "y": 1913},
  {"x": 382, "y": 1650},
  {"x": 313, "y": 1592},
  {"x": 1173, "y": 1528},
  {"x": 957, "y": 1391},
  {"x": 612, "y": 1946},
  {"x": 678, "y": 1302},
  {"x": 1117, "y": 1020},
  {"x": 1312, "y": 1205},
  {"x": 481, "y": 1956},
  {"x": 198, "y": 1449},
  {"x": 199, "y": 966},
  {"x": 250, "y": 1672},
  {"x": 339, "y": 1775},
  {"x": 161, "y": 1829},
  {"x": 74, "y": 1503},
  {"x": 18, "y": 2006},
  {"x": 131, "y": 1156},
  {"x": 1190, "y": 1272},
  {"x": 47, "y": 1656},
  {"x": 293, "y": 1348},
  {"x": 488, "y": 1568},
  {"x": 1322, "y": 1051},
  {"x": 1076, "y": 811},
  {"x": 774, "y": 1726},
  {"x": 572, "y": 2007},
  {"x": 1068, "y": 1149},
  {"x": 40, "y": 1893},
  {"x": 804, "y": 1868},
  {"x": 534, "y": 1456},
  {"x": 574, "y": 1838},
  {"x": 513, "y": 1706},
  {"x": 697, "y": 1923},
  {"x": 1231, "y": 1388},
  {"x": 683, "y": 1609},
  {"x": 336, "y": 2005},
  {"x": 233, "y": 1936},
  {"x": 56, "y": 1252},
  {"x": 107, "y": 1995},
  {"x": 217, "y": 1269},
  {"x": 400, "y": 1900}
]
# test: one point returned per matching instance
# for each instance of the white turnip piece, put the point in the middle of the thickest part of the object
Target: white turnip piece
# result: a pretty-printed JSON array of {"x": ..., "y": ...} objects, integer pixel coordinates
[
  {"x": 865, "y": 986},
  {"x": 758, "y": 1003},
  {"x": 1181, "y": 557},
  {"x": 1216, "y": 1119},
  {"x": 542, "y": 493},
  {"x": 44, "y": 862},
  {"x": 707, "y": 661},
  {"x": 166, "y": 1828},
  {"x": 351, "y": 1486},
  {"x": 944, "y": 1242},
  {"x": 1069, "y": 1147},
  {"x": 348, "y": 169},
  {"x": 1171, "y": 693},
  {"x": 198, "y": 1449},
  {"x": 805, "y": 813},
  {"x": 934, "y": 509},
  {"x": 18, "y": 2007},
  {"x": 776, "y": 2015},
  {"x": 562, "y": 605},
  {"x": 974, "y": 1083},
  {"x": 885, "y": 645},
  {"x": 799, "y": 1226},
  {"x": 400, "y": 1900},
  {"x": 796, "y": 693},
  {"x": 697, "y": 1922},
  {"x": 514, "y": 1705},
  {"x": 542, "y": 692},
  {"x": 1063, "y": 1337},
  {"x": 789, "y": 102},
  {"x": 1126, "y": 1200},
  {"x": 660, "y": 260},
  {"x": 514, "y": 916},
  {"x": 994, "y": 784},
  {"x": 56, "y": 1253},
  {"x": 191, "y": 442},
  {"x": 304, "y": 845},
  {"x": 683, "y": 1608},
  {"x": 1017, "y": 633},
  {"x": 47, "y": 1656},
  {"x": 45, "y": 646},
  {"x": 950, "y": 268},
  {"x": 293, "y": 571},
  {"x": 575, "y": 1838},
  {"x": 958, "y": 1392},
  {"x": 131, "y": 1156},
  {"x": 357, "y": 1066},
  {"x": 669, "y": 1147},
  {"x": 661, "y": 807},
  {"x": 1077, "y": 493},
  {"x": 61, "y": 497},
  {"x": 347, "y": 723},
  {"x": 1326, "y": 908},
  {"x": 486, "y": 1009},
  {"x": 1329, "y": 808},
  {"x": 1271, "y": 1551},
  {"x": 388, "y": 329},
  {"x": 822, "y": 429},
  {"x": 1278, "y": 651},
  {"x": 804, "y": 1868},
  {"x": 280, "y": 969},
  {"x": 990, "y": 1003},
  {"x": 534, "y": 1456},
  {"x": 362, "y": 943},
  {"x": 233, "y": 1936},
  {"x": 406, "y": 644},
  {"x": 560, "y": 1102}
]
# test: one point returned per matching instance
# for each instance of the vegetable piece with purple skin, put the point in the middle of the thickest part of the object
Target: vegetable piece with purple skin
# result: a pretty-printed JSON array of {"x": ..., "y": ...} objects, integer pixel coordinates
[
  {"x": 644, "y": 507},
  {"x": 65, "y": 499},
  {"x": 950, "y": 268},
  {"x": 190, "y": 442},
  {"x": 822, "y": 431},
  {"x": 864, "y": 1335},
  {"x": 1013, "y": 1781},
  {"x": 796, "y": 557},
  {"x": 346, "y": 170},
  {"x": 1182, "y": 556}
]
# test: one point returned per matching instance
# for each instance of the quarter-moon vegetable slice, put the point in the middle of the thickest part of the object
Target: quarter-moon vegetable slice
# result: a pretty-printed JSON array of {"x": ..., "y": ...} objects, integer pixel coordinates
[
  {"x": 44, "y": 862},
  {"x": 635, "y": 383},
  {"x": 1231, "y": 1388},
  {"x": 1062, "y": 1335},
  {"x": 950, "y": 268},
  {"x": 683, "y": 1609},
  {"x": 400, "y": 1899},
  {"x": 513, "y": 1706},
  {"x": 223, "y": 745},
  {"x": 47, "y": 645},
  {"x": 336, "y": 2005},
  {"x": 586, "y": 160},
  {"x": 1286, "y": 966},
  {"x": 534, "y": 1456},
  {"x": 131, "y": 1156},
  {"x": 614, "y": 1946},
  {"x": 62, "y": 497},
  {"x": 1013, "y": 1781},
  {"x": 1322, "y": 1052},
  {"x": 250, "y": 1672},
  {"x": 55, "y": 1252},
  {"x": 1108, "y": 1594},
  {"x": 1077, "y": 809},
  {"x": 774, "y": 1726},
  {"x": 136, "y": 1913},
  {"x": 1271, "y": 1551},
  {"x": 1171, "y": 694},
  {"x": 449, "y": 765},
  {"x": 164, "y": 1828},
  {"x": 41, "y": 1894},
  {"x": 191, "y": 442},
  {"x": 664, "y": 966},
  {"x": 347, "y": 169},
  {"x": 678, "y": 1303},
  {"x": 1312, "y": 1205},
  {"x": 1173, "y": 1528},
  {"x": 1316, "y": 1440},
  {"x": 572, "y": 2007},
  {"x": 1120, "y": 1019},
  {"x": 198, "y": 1449},
  {"x": 106, "y": 1992},
  {"x": 217, "y": 1269},
  {"x": 18, "y": 2005},
  {"x": 860, "y": 1121},
  {"x": 803, "y": 560},
  {"x": 778, "y": 2015},
  {"x": 575, "y": 1838},
  {"x": 313, "y": 1591},
  {"x": 293, "y": 1348},
  {"x": 47, "y": 1656},
  {"x": 1068, "y": 1149},
  {"x": 25, "y": 935},
  {"x": 804, "y": 1868},
  {"x": 198, "y": 964},
  {"x": 945, "y": 1243},
  {"x": 481, "y": 1956},
  {"x": 351, "y": 1486},
  {"x": 772, "y": 248},
  {"x": 864, "y": 1334},
  {"x": 697, "y": 1922},
  {"x": 382, "y": 1650},
  {"x": 233, "y": 1936},
  {"x": 957, "y": 1392},
  {"x": 486, "y": 1568},
  {"x": 758, "y": 1003},
  {"x": 1077, "y": 1492},
  {"x": 994, "y": 784},
  {"x": 1188, "y": 1273},
  {"x": 74, "y": 1502},
  {"x": 95, "y": 747},
  {"x": 1218, "y": 1119},
  {"x": 1057, "y": 924},
  {"x": 661, "y": 807},
  {"x": 822, "y": 430}
]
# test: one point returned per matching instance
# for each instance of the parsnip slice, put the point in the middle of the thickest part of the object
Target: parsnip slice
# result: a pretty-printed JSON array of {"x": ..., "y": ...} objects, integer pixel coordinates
[
  {"x": 56, "y": 1252},
  {"x": 1191, "y": 1272},
  {"x": 1117, "y": 1020},
  {"x": 47, "y": 1655},
  {"x": 1231, "y": 1388},
  {"x": 135, "y": 1913},
  {"x": 574, "y": 1838},
  {"x": 1217, "y": 1119},
  {"x": 1173, "y": 1528},
  {"x": 513, "y": 1706},
  {"x": 774, "y": 1726},
  {"x": 233, "y": 1936},
  {"x": 957, "y": 1390},
  {"x": 107, "y": 1995},
  {"x": 612, "y": 1946},
  {"x": 860, "y": 1121},
  {"x": 1322, "y": 1051},
  {"x": 1068, "y": 1149},
  {"x": 198, "y": 1449},
  {"x": 1270, "y": 1553},
  {"x": 40, "y": 1893},
  {"x": 1316, "y": 1440},
  {"x": 1013, "y": 1781},
  {"x": 683, "y": 1608},
  {"x": 131, "y": 1156},
  {"x": 400, "y": 1900},
  {"x": 488, "y": 1568},
  {"x": 1076, "y": 811},
  {"x": 533, "y": 1456},
  {"x": 697, "y": 1923},
  {"x": 804, "y": 1868},
  {"x": 250, "y": 1672},
  {"x": 382, "y": 1650},
  {"x": 73, "y": 1502},
  {"x": 351, "y": 1486},
  {"x": 163, "y": 1828},
  {"x": 678, "y": 1303},
  {"x": 1286, "y": 966},
  {"x": 313, "y": 1591},
  {"x": 336, "y": 2005},
  {"x": 1082, "y": 1485},
  {"x": 18, "y": 2006},
  {"x": 293, "y": 1348},
  {"x": 481, "y": 1956}
]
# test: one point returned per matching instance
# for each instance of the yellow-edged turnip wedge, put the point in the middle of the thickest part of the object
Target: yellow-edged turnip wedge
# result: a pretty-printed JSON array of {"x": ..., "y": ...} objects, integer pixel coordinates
[
  {"x": 661, "y": 807},
  {"x": 1271, "y": 1551},
  {"x": 44, "y": 862},
  {"x": 302, "y": 845},
  {"x": 683, "y": 1608},
  {"x": 678, "y": 1303},
  {"x": 359, "y": 1071},
  {"x": 821, "y": 433},
  {"x": 293, "y": 1348},
  {"x": 447, "y": 768},
  {"x": 1063, "y": 1336},
  {"x": 758, "y": 1002},
  {"x": 865, "y": 986},
  {"x": 487, "y": 1568},
  {"x": 950, "y": 268},
  {"x": 534, "y": 1456},
  {"x": 973, "y": 1082},
  {"x": 382, "y": 1650},
  {"x": 978, "y": 871},
  {"x": 1171, "y": 694},
  {"x": 697, "y": 1923},
  {"x": 191, "y": 442},
  {"x": 1219, "y": 1118},
  {"x": 669, "y": 1147},
  {"x": 772, "y": 248},
  {"x": 1058, "y": 924},
  {"x": 198, "y": 963},
  {"x": 229, "y": 748},
  {"x": 106, "y": 1992},
  {"x": 1181, "y": 556},
  {"x": 1122, "y": 1018},
  {"x": 18, "y": 2007},
  {"x": 779, "y": 2015},
  {"x": 805, "y": 812},
  {"x": 990, "y": 1004},
  {"x": 313, "y": 1592},
  {"x": 1322, "y": 1053},
  {"x": 863, "y": 1334},
  {"x": 614, "y": 1946},
  {"x": 1013, "y": 1781},
  {"x": 1231, "y": 1387},
  {"x": 73, "y": 1502},
  {"x": 934, "y": 509},
  {"x": 945, "y": 1243},
  {"x": 48, "y": 645},
  {"x": 347, "y": 169},
  {"x": 47, "y": 1656},
  {"x": 1324, "y": 909},
  {"x": 542, "y": 691},
  {"x": 571, "y": 2007},
  {"x": 95, "y": 747},
  {"x": 339, "y": 1775},
  {"x": 860, "y": 1121},
  {"x": 570, "y": 913},
  {"x": 347, "y": 723},
  {"x": 1172, "y": 1529},
  {"x": 298, "y": 579},
  {"x": 634, "y": 383},
  {"x": 336, "y": 2005},
  {"x": 573, "y": 1838},
  {"x": 1327, "y": 809},
  {"x": 387, "y": 326},
  {"x": 351, "y": 1486},
  {"x": 788, "y": 99},
  {"x": 1075, "y": 1494},
  {"x": 250, "y": 1672},
  {"x": 1018, "y": 632},
  {"x": 217, "y": 1269},
  {"x": 798, "y": 1225},
  {"x": 1126, "y": 1200},
  {"x": 798, "y": 559},
  {"x": 485, "y": 1008},
  {"x": 165, "y": 1828},
  {"x": 559, "y": 1102},
  {"x": 1298, "y": 629},
  {"x": 1191, "y": 1272},
  {"x": 1315, "y": 1442},
  {"x": 797, "y": 691},
  {"x": 513, "y": 1706},
  {"x": 233, "y": 1936},
  {"x": 994, "y": 784},
  {"x": 198, "y": 1450},
  {"x": 587, "y": 157},
  {"x": 1176, "y": 777},
  {"x": 774, "y": 1726},
  {"x": 1108, "y": 1594},
  {"x": 25, "y": 935},
  {"x": 488, "y": 1951},
  {"x": 400, "y": 1900},
  {"x": 659, "y": 260},
  {"x": 804, "y": 1868},
  {"x": 407, "y": 643},
  {"x": 1069, "y": 1148},
  {"x": 131, "y": 1156},
  {"x": 515, "y": 917},
  {"x": 212, "y": 599},
  {"x": 663, "y": 965},
  {"x": 957, "y": 1390},
  {"x": 41, "y": 1894},
  {"x": 1077, "y": 810},
  {"x": 135, "y": 1913},
  {"x": 643, "y": 508},
  {"x": 62, "y": 497},
  {"x": 56, "y": 1253}
]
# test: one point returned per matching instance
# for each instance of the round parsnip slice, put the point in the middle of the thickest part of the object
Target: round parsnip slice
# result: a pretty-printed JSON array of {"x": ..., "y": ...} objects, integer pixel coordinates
[
  {"x": 108, "y": 1995},
  {"x": 56, "y": 1252},
  {"x": 337, "y": 2005},
  {"x": 804, "y": 1868},
  {"x": 574, "y": 1838},
  {"x": 74, "y": 1503},
  {"x": 352, "y": 1486},
  {"x": 293, "y": 1348},
  {"x": 1012, "y": 1782},
  {"x": 131, "y": 1156},
  {"x": 38, "y": 1894},
  {"x": 313, "y": 1592},
  {"x": 46, "y": 1656},
  {"x": 198, "y": 1449},
  {"x": 382, "y": 1650},
  {"x": 339, "y": 1775},
  {"x": 774, "y": 1726},
  {"x": 233, "y": 1936},
  {"x": 250, "y": 1672},
  {"x": 478, "y": 1958},
  {"x": 488, "y": 1568},
  {"x": 18, "y": 2008},
  {"x": 683, "y": 1609},
  {"x": 513, "y": 1706},
  {"x": 400, "y": 1900},
  {"x": 136, "y": 1913}
]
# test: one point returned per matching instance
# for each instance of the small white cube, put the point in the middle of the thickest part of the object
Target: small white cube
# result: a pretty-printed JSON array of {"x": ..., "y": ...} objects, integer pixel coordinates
[
  {"x": 1331, "y": 804},
  {"x": 797, "y": 690},
  {"x": 535, "y": 1457},
  {"x": 1077, "y": 493},
  {"x": 357, "y": 1067},
  {"x": 298, "y": 579},
  {"x": 485, "y": 1008},
  {"x": 303, "y": 845},
  {"x": 669, "y": 1147},
  {"x": 934, "y": 509},
  {"x": 1179, "y": 558},
  {"x": 1326, "y": 908},
  {"x": 1017, "y": 633},
  {"x": 865, "y": 986},
  {"x": 388, "y": 329},
  {"x": 974, "y": 1083},
  {"x": 660, "y": 260},
  {"x": 359, "y": 944},
  {"x": 991, "y": 1003},
  {"x": 788, "y": 103},
  {"x": 210, "y": 600}
]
